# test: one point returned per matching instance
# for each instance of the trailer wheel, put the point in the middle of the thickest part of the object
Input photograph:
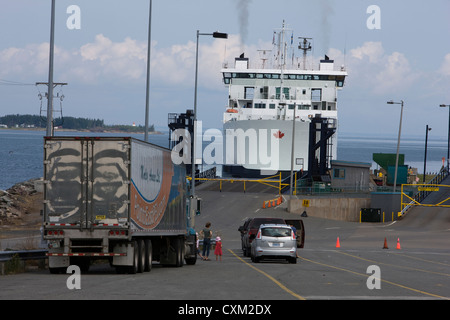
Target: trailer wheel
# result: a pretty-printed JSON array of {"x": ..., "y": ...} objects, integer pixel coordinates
[
  {"x": 179, "y": 247},
  {"x": 148, "y": 255},
  {"x": 141, "y": 256}
]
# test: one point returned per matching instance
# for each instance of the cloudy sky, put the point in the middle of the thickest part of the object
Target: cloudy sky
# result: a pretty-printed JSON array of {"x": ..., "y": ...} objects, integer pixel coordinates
[{"x": 104, "y": 61}]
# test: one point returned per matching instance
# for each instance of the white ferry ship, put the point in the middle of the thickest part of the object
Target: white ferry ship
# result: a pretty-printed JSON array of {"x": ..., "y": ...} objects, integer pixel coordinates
[{"x": 265, "y": 98}]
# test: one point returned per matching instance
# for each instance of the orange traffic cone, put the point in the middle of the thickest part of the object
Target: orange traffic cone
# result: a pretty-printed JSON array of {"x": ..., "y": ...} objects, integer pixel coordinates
[
  {"x": 398, "y": 244},
  {"x": 338, "y": 245},
  {"x": 268, "y": 206},
  {"x": 385, "y": 244},
  {"x": 264, "y": 205}
]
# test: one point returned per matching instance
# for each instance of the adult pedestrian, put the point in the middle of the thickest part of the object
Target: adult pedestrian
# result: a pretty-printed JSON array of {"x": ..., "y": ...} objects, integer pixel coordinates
[{"x": 207, "y": 234}]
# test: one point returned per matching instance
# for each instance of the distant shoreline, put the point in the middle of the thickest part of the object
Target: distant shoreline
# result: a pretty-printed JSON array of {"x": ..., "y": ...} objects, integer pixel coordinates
[{"x": 85, "y": 130}]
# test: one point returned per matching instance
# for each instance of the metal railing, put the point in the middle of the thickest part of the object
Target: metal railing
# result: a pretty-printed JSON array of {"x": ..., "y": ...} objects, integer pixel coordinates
[
  {"x": 422, "y": 193},
  {"x": 6, "y": 256}
]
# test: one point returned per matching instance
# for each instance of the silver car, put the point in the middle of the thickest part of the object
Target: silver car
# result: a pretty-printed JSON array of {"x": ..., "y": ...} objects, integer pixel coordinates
[{"x": 274, "y": 241}]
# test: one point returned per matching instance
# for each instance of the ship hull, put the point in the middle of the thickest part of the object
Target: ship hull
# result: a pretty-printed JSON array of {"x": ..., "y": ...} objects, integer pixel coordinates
[{"x": 264, "y": 147}]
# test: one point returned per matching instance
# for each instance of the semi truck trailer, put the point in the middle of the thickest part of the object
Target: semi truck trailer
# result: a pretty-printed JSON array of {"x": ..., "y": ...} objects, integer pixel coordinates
[{"x": 115, "y": 198}]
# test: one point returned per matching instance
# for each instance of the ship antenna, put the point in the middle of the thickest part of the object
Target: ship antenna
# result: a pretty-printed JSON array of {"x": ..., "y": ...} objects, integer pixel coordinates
[
  {"x": 263, "y": 56},
  {"x": 305, "y": 46}
]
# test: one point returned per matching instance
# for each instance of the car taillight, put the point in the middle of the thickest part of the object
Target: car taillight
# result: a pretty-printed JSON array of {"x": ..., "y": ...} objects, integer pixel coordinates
[
  {"x": 258, "y": 236},
  {"x": 292, "y": 234}
]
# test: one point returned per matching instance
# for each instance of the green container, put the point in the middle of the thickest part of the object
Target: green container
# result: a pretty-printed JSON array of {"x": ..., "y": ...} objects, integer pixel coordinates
[{"x": 402, "y": 175}]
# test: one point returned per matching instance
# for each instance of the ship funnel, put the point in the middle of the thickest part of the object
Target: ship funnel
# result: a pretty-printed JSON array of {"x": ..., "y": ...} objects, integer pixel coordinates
[
  {"x": 241, "y": 62},
  {"x": 326, "y": 64}
]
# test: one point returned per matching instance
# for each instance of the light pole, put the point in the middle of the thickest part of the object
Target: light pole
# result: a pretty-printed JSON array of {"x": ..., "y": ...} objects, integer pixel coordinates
[
  {"x": 147, "y": 88},
  {"x": 398, "y": 140},
  {"x": 194, "y": 138},
  {"x": 448, "y": 143},
  {"x": 50, "y": 73},
  {"x": 425, "y": 160}
]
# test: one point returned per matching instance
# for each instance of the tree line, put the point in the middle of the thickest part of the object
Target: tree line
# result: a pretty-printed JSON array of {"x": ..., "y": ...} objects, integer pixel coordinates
[{"x": 26, "y": 121}]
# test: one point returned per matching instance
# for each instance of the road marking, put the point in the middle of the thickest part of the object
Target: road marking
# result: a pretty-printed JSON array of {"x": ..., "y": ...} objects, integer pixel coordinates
[
  {"x": 270, "y": 277},
  {"x": 431, "y": 261},
  {"x": 365, "y": 275},
  {"x": 394, "y": 265}
]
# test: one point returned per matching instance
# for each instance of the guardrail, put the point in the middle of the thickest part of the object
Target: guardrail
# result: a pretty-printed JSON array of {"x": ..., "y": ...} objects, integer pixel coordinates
[
  {"x": 14, "y": 261},
  {"x": 5, "y": 256}
]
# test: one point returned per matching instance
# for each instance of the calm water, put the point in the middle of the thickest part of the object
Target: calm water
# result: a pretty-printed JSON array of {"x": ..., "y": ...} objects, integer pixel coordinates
[{"x": 21, "y": 152}]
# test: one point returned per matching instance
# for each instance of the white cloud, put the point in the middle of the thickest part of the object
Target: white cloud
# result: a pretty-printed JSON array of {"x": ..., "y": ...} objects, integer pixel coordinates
[
  {"x": 372, "y": 50},
  {"x": 370, "y": 67},
  {"x": 104, "y": 60},
  {"x": 445, "y": 67}
]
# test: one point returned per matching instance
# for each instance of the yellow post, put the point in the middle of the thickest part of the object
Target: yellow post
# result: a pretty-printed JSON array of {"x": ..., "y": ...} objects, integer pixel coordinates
[
  {"x": 279, "y": 189},
  {"x": 295, "y": 184}
]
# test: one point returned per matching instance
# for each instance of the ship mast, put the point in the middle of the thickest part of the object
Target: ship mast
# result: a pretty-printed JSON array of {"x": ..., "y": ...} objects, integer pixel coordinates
[
  {"x": 282, "y": 51},
  {"x": 305, "y": 46}
]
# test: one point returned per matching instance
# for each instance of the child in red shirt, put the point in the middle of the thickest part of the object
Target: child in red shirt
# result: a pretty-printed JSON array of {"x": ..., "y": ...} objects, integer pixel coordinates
[{"x": 218, "y": 249}]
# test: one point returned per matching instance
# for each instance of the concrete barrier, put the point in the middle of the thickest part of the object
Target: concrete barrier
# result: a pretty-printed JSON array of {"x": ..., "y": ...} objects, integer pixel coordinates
[{"x": 343, "y": 208}]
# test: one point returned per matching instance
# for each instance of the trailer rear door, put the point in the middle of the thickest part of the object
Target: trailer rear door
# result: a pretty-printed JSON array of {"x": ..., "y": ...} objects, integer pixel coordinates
[{"x": 86, "y": 181}]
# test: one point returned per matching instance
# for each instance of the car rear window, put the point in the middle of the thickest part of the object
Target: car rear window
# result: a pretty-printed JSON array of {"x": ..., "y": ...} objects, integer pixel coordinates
[
  {"x": 259, "y": 221},
  {"x": 276, "y": 232}
]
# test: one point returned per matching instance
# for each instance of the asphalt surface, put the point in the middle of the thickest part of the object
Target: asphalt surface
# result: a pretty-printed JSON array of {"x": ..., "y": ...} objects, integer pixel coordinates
[{"x": 416, "y": 264}]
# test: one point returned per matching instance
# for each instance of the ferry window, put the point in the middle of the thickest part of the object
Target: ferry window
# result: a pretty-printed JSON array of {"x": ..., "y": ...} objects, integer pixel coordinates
[
  {"x": 259, "y": 75},
  {"x": 275, "y": 76},
  {"x": 291, "y": 107},
  {"x": 272, "y": 106},
  {"x": 285, "y": 92},
  {"x": 307, "y": 77},
  {"x": 227, "y": 77},
  {"x": 249, "y": 92},
  {"x": 291, "y": 76},
  {"x": 260, "y": 105},
  {"x": 303, "y": 107},
  {"x": 300, "y": 77},
  {"x": 340, "y": 83},
  {"x": 267, "y": 76},
  {"x": 316, "y": 94}
]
